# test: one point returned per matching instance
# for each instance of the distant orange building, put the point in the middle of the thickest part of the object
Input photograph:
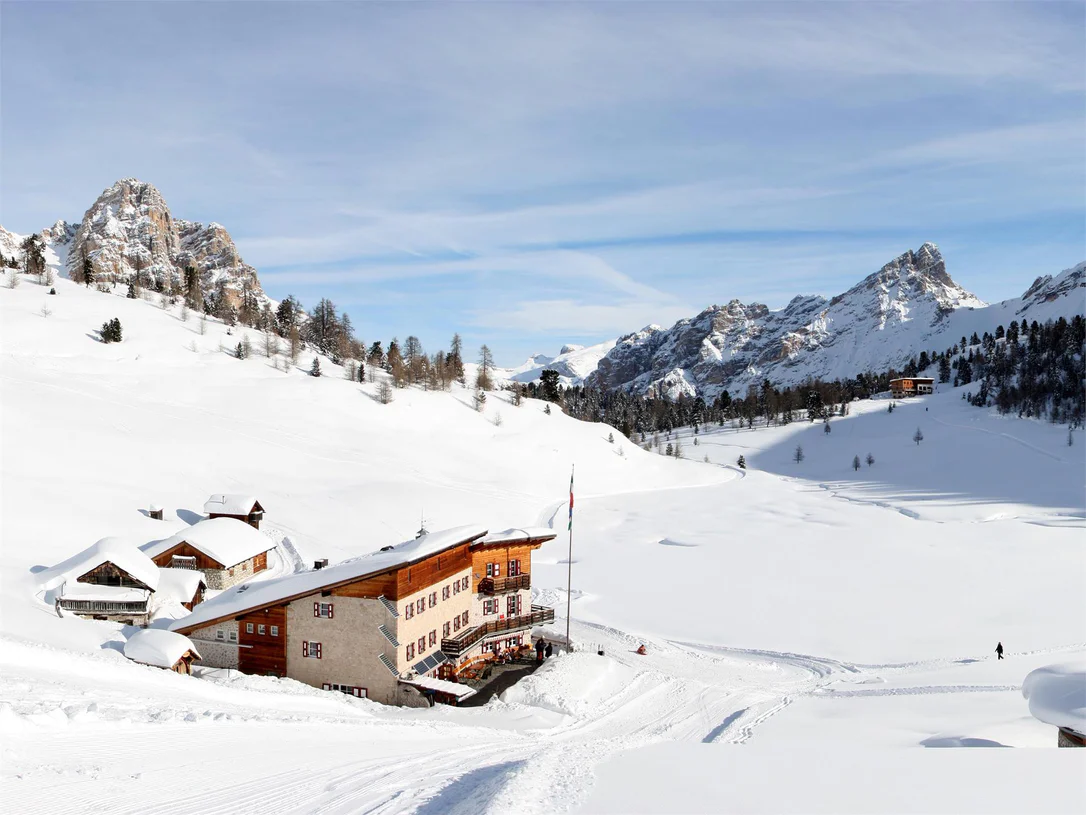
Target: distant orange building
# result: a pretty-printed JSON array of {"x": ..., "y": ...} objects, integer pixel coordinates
[{"x": 911, "y": 386}]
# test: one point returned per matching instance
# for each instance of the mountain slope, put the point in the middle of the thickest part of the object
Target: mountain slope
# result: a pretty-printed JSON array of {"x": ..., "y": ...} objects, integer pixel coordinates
[
  {"x": 129, "y": 235},
  {"x": 910, "y": 304}
]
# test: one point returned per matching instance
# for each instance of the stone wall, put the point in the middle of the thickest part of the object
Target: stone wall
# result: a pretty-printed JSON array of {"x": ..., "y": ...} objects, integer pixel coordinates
[
  {"x": 217, "y": 653},
  {"x": 351, "y": 645},
  {"x": 219, "y": 579}
]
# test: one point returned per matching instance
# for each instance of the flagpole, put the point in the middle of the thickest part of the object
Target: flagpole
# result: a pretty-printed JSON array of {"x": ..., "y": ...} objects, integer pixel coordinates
[{"x": 569, "y": 562}]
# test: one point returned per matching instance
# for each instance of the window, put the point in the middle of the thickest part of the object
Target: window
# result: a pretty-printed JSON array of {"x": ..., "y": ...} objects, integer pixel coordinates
[
  {"x": 433, "y": 638},
  {"x": 409, "y": 611},
  {"x": 512, "y": 605},
  {"x": 490, "y": 606},
  {"x": 514, "y": 568},
  {"x": 490, "y": 570},
  {"x": 465, "y": 583},
  {"x": 322, "y": 610},
  {"x": 433, "y": 599},
  {"x": 248, "y": 628},
  {"x": 446, "y": 629},
  {"x": 219, "y": 635},
  {"x": 456, "y": 623},
  {"x": 464, "y": 618},
  {"x": 233, "y": 636},
  {"x": 311, "y": 650},
  {"x": 348, "y": 689},
  {"x": 456, "y": 587},
  {"x": 420, "y": 605},
  {"x": 410, "y": 651},
  {"x": 275, "y": 631},
  {"x": 445, "y": 592},
  {"x": 260, "y": 629},
  {"x": 422, "y": 645}
]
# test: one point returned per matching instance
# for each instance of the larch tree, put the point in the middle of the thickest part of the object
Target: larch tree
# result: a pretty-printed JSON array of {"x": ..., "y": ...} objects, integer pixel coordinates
[
  {"x": 798, "y": 456},
  {"x": 483, "y": 379}
]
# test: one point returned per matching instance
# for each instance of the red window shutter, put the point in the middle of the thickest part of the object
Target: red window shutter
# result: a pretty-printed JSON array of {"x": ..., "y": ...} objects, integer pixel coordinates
[
  {"x": 305, "y": 648},
  {"x": 330, "y": 611},
  {"x": 497, "y": 570},
  {"x": 316, "y": 609},
  {"x": 318, "y": 650}
]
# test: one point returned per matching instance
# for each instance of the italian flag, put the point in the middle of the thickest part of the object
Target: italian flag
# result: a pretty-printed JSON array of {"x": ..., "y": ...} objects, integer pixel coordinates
[{"x": 570, "y": 527}]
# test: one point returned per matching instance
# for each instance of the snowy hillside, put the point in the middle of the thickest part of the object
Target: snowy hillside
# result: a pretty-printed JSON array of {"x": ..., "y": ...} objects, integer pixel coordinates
[
  {"x": 909, "y": 305},
  {"x": 783, "y": 606}
]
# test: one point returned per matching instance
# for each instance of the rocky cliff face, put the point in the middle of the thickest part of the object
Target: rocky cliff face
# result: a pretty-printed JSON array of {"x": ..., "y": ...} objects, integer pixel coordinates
[
  {"x": 910, "y": 304},
  {"x": 129, "y": 235}
]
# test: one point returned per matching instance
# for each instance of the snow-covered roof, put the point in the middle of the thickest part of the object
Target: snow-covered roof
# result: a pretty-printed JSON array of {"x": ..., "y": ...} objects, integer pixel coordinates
[
  {"x": 179, "y": 584},
  {"x": 441, "y": 686},
  {"x": 529, "y": 533},
  {"x": 121, "y": 553},
  {"x": 230, "y": 504},
  {"x": 226, "y": 540},
  {"x": 248, "y": 596},
  {"x": 1057, "y": 695},
  {"x": 74, "y": 590},
  {"x": 158, "y": 647}
]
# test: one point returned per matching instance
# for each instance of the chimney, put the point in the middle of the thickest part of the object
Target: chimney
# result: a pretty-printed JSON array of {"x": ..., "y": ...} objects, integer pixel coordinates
[{"x": 320, "y": 564}]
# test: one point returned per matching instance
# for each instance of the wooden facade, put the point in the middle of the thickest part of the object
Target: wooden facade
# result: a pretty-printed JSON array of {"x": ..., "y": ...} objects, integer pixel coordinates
[
  {"x": 252, "y": 517},
  {"x": 405, "y": 580},
  {"x": 264, "y": 654},
  {"x": 108, "y": 574},
  {"x": 200, "y": 562},
  {"x": 502, "y": 554},
  {"x": 911, "y": 386}
]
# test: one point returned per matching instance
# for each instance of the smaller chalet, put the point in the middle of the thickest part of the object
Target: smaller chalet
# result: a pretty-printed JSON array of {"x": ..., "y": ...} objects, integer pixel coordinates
[
  {"x": 1057, "y": 696},
  {"x": 240, "y": 507},
  {"x": 162, "y": 649},
  {"x": 911, "y": 386},
  {"x": 226, "y": 550},
  {"x": 111, "y": 580},
  {"x": 184, "y": 586}
]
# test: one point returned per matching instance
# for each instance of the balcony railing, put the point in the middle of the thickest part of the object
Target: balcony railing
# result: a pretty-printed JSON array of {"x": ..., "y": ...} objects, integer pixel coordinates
[
  {"x": 497, "y": 585},
  {"x": 455, "y": 647},
  {"x": 104, "y": 607}
]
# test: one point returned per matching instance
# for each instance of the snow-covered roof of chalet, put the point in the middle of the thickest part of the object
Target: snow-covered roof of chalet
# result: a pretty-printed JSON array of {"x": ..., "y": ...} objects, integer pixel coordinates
[
  {"x": 179, "y": 584},
  {"x": 74, "y": 590},
  {"x": 528, "y": 533},
  {"x": 247, "y": 596},
  {"x": 230, "y": 504},
  {"x": 120, "y": 552},
  {"x": 1057, "y": 694},
  {"x": 158, "y": 647},
  {"x": 226, "y": 540}
]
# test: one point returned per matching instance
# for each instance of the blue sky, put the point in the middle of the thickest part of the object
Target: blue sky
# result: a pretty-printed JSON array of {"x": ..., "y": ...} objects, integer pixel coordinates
[{"x": 538, "y": 174}]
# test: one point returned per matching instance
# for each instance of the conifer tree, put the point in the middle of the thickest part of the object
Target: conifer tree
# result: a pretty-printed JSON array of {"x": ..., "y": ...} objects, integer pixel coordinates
[
  {"x": 486, "y": 364},
  {"x": 870, "y": 459},
  {"x": 855, "y": 462},
  {"x": 918, "y": 436},
  {"x": 315, "y": 368},
  {"x": 797, "y": 456}
]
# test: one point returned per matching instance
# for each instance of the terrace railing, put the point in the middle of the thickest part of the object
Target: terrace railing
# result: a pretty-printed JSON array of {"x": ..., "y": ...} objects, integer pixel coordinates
[
  {"x": 455, "y": 647},
  {"x": 497, "y": 585}
]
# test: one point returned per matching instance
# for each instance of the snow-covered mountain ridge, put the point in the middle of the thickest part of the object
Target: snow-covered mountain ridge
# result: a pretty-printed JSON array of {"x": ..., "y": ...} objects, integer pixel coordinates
[
  {"x": 129, "y": 234},
  {"x": 910, "y": 304}
]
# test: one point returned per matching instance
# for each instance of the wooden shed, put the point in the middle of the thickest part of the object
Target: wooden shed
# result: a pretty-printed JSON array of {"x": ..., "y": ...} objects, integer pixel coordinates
[
  {"x": 162, "y": 649},
  {"x": 240, "y": 507}
]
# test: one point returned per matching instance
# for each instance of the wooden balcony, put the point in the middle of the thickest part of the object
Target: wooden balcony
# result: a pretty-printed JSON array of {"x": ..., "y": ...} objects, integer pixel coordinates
[
  {"x": 455, "y": 647},
  {"x": 499, "y": 585}
]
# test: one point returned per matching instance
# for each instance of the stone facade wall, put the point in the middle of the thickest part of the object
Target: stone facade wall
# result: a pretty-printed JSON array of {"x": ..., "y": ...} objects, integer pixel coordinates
[
  {"x": 219, "y": 579},
  {"x": 350, "y": 645},
  {"x": 217, "y": 653},
  {"x": 1069, "y": 739}
]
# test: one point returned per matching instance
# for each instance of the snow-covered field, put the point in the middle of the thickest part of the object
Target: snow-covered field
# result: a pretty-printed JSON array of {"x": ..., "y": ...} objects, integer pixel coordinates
[{"x": 810, "y": 629}]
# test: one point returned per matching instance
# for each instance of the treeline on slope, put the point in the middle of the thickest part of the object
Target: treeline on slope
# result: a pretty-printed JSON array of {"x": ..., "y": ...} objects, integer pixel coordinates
[{"x": 1035, "y": 370}]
